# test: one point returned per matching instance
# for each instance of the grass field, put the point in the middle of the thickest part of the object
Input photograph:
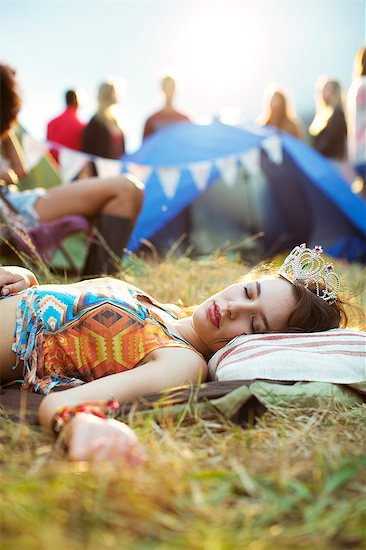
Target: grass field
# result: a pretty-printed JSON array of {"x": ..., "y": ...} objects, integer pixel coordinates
[{"x": 295, "y": 480}]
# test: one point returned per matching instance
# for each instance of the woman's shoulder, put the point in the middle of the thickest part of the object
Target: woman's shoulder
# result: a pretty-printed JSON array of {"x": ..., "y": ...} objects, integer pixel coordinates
[
  {"x": 293, "y": 126},
  {"x": 96, "y": 121},
  {"x": 357, "y": 84},
  {"x": 339, "y": 117},
  {"x": 359, "y": 91},
  {"x": 176, "y": 310}
]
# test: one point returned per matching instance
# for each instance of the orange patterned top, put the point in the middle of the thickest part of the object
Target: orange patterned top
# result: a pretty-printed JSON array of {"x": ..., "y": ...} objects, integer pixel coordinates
[{"x": 66, "y": 335}]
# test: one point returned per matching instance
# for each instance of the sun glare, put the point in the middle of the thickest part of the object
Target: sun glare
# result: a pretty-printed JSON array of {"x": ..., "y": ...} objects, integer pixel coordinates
[{"x": 222, "y": 48}]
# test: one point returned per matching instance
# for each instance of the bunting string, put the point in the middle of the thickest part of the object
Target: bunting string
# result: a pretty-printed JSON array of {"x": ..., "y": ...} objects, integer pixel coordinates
[{"x": 72, "y": 162}]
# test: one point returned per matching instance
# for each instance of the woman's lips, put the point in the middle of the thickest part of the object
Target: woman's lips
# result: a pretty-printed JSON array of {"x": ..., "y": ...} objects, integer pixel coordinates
[{"x": 214, "y": 314}]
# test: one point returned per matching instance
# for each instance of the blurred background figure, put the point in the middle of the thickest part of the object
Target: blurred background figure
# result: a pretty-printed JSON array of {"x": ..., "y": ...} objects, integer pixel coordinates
[
  {"x": 66, "y": 129},
  {"x": 12, "y": 161},
  {"x": 178, "y": 229},
  {"x": 110, "y": 204},
  {"x": 278, "y": 113},
  {"x": 168, "y": 115},
  {"x": 103, "y": 135},
  {"x": 356, "y": 118},
  {"x": 328, "y": 129}
]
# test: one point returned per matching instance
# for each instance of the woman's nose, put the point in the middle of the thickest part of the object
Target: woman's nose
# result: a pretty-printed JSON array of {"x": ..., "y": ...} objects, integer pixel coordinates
[{"x": 237, "y": 308}]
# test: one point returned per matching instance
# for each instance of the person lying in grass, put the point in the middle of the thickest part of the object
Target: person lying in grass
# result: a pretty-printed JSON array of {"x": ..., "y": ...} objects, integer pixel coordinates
[{"x": 89, "y": 338}]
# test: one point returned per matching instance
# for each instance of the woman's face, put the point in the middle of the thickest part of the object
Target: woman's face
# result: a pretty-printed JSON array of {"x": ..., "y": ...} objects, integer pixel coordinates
[
  {"x": 244, "y": 308},
  {"x": 329, "y": 94},
  {"x": 278, "y": 103}
]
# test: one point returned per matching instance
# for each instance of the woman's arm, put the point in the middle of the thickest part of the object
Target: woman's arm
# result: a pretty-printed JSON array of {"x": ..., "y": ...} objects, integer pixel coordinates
[
  {"x": 169, "y": 367},
  {"x": 14, "y": 279},
  {"x": 14, "y": 153}
]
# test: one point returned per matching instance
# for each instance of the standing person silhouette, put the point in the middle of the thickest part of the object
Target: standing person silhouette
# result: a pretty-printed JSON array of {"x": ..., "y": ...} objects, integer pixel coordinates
[
  {"x": 167, "y": 115},
  {"x": 103, "y": 135},
  {"x": 180, "y": 225},
  {"x": 356, "y": 117},
  {"x": 329, "y": 129},
  {"x": 277, "y": 113},
  {"x": 66, "y": 129}
]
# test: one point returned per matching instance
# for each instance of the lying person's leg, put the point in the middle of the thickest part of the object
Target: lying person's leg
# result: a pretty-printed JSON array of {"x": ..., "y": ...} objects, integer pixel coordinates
[{"x": 114, "y": 202}]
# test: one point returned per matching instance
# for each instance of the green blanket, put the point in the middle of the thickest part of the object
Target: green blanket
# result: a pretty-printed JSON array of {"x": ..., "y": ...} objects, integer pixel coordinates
[
  {"x": 240, "y": 401},
  {"x": 248, "y": 401}
]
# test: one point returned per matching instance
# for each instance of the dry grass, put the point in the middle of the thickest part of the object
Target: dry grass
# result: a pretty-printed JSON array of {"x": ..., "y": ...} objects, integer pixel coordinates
[{"x": 295, "y": 480}]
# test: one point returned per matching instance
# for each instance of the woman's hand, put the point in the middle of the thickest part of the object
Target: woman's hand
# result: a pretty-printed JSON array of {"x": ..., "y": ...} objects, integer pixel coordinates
[
  {"x": 8, "y": 177},
  {"x": 94, "y": 439},
  {"x": 15, "y": 279}
]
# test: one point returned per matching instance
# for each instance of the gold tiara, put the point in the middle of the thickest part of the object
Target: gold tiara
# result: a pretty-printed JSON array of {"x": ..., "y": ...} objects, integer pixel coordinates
[{"x": 308, "y": 266}]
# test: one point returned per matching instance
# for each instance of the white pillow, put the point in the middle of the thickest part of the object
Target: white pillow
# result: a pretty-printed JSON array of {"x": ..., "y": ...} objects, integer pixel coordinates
[{"x": 337, "y": 356}]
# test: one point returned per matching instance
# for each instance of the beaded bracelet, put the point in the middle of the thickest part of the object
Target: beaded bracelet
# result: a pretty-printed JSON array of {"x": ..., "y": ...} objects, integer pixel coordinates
[{"x": 102, "y": 409}]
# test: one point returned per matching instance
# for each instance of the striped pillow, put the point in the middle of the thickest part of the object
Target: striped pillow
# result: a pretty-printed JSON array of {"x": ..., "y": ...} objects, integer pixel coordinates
[{"x": 337, "y": 355}]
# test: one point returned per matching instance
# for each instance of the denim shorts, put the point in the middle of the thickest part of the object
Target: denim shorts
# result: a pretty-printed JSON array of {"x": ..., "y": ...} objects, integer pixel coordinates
[{"x": 24, "y": 201}]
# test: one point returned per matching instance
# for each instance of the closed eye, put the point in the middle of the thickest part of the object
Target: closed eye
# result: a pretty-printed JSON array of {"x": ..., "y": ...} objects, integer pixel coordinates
[{"x": 247, "y": 293}]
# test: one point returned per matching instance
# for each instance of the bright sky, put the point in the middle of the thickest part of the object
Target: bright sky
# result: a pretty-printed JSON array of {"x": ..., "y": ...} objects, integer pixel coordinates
[{"x": 223, "y": 53}]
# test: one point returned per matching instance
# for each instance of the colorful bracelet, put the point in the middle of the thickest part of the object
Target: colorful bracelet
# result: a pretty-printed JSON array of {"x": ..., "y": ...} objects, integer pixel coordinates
[{"x": 102, "y": 409}]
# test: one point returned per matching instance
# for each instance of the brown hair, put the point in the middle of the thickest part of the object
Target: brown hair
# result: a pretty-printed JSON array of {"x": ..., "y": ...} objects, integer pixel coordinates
[
  {"x": 313, "y": 314},
  {"x": 10, "y": 102},
  {"x": 360, "y": 62}
]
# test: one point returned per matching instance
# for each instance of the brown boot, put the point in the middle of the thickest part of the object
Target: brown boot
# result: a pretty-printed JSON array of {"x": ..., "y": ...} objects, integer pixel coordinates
[{"x": 105, "y": 252}]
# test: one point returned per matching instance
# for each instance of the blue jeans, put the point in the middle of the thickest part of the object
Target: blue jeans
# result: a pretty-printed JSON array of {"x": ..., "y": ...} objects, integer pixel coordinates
[{"x": 24, "y": 201}]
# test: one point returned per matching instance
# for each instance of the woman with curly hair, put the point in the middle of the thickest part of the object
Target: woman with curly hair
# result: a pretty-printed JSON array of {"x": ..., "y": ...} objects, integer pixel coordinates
[{"x": 10, "y": 104}]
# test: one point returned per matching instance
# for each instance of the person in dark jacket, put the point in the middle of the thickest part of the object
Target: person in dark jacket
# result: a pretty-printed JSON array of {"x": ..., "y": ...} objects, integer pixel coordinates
[
  {"x": 329, "y": 129},
  {"x": 103, "y": 136}
]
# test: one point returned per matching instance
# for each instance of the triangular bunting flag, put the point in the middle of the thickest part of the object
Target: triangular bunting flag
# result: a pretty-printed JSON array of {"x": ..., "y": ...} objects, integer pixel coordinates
[
  {"x": 250, "y": 161},
  {"x": 200, "y": 172},
  {"x": 169, "y": 179},
  {"x": 142, "y": 172},
  {"x": 71, "y": 163},
  {"x": 33, "y": 151},
  {"x": 228, "y": 167},
  {"x": 273, "y": 147},
  {"x": 108, "y": 168}
]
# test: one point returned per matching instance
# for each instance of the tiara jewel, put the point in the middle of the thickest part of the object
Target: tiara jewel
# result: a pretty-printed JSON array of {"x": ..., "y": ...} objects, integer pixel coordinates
[{"x": 308, "y": 266}]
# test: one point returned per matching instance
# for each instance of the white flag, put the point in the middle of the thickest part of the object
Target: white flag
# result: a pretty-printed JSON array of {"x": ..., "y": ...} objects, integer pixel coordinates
[
  {"x": 273, "y": 147},
  {"x": 141, "y": 171},
  {"x": 228, "y": 167},
  {"x": 33, "y": 151},
  {"x": 71, "y": 163},
  {"x": 250, "y": 161},
  {"x": 200, "y": 172},
  {"x": 169, "y": 179},
  {"x": 108, "y": 168}
]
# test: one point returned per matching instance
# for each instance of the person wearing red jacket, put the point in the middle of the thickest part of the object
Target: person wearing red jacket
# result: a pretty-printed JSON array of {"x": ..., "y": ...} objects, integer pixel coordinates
[{"x": 66, "y": 129}]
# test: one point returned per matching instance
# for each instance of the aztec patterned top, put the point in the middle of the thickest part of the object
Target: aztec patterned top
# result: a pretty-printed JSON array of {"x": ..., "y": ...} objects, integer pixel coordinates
[{"x": 66, "y": 335}]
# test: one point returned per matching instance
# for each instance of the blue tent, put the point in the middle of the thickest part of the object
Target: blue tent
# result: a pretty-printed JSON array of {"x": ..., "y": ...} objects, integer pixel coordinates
[{"x": 305, "y": 198}]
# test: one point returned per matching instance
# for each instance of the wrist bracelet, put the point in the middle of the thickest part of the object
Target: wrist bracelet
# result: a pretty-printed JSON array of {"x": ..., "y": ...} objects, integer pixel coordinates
[{"x": 102, "y": 409}]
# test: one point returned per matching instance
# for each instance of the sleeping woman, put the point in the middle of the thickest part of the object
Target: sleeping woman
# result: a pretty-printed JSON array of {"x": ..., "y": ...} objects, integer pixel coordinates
[{"x": 106, "y": 342}]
